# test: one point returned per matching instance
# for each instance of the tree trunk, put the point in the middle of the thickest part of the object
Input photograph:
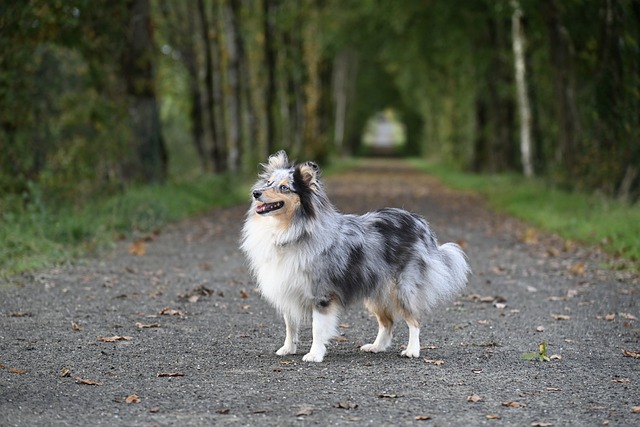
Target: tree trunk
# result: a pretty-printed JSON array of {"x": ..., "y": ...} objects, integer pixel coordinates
[
  {"x": 208, "y": 81},
  {"x": 219, "y": 98},
  {"x": 268, "y": 7},
  {"x": 150, "y": 156},
  {"x": 524, "y": 106},
  {"x": 561, "y": 52},
  {"x": 234, "y": 46}
]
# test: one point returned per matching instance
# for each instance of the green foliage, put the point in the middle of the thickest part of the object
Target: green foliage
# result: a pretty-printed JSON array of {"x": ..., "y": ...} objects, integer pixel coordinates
[
  {"x": 593, "y": 219},
  {"x": 34, "y": 234}
]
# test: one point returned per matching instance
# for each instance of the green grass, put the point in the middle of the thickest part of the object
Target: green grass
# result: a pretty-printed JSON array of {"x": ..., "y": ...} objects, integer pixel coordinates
[
  {"x": 588, "y": 218},
  {"x": 34, "y": 235}
]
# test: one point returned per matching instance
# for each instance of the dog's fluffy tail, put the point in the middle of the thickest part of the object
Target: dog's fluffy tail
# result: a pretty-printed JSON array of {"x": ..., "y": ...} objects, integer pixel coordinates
[{"x": 448, "y": 275}]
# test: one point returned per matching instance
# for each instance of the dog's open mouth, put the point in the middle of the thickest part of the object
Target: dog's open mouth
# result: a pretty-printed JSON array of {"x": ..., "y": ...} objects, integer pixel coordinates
[{"x": 268, "y": 207}]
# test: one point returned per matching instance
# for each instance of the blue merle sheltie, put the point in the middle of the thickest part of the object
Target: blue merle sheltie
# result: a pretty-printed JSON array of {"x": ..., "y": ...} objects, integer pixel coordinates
[{"x": 312, "y": 261}]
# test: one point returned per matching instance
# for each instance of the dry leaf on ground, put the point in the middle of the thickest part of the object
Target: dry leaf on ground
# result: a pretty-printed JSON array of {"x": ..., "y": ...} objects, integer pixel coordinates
[
  {"x": 65, "y": 372},
  {"x": 389, "y": 396},
  {"x": 132, "y": 398},
  {"x": 114, "y": 338},
  {"x": 86, "y": 381},
  {"x": 138, "y": 248},
  {"x": 346, "y": 404},
  {"x": 474, "y": 398},
  {"x": 17, "y": 371},
  {"x": 634, "y": 354},
  {"x": 422, "y": 418},
  {"x": 306, "y": 411},
  {"x": 170, "y": 374},
  {"x": 76, "y": 327},
  {"x": 514, "y": 404},
  {"x": 146, "y": 326},
  {"x": 170, "y": 312},
  {"x": 561, "y": 316},
  {"x": 433, "y": 362}
]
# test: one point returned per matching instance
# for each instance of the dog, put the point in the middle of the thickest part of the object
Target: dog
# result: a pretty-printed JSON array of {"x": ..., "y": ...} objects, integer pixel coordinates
[{"x": 312, "y": 261}]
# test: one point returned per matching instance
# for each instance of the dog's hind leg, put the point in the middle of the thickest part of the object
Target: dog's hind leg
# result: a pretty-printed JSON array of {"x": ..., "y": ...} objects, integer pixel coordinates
[
  {"x": 413, "y": 346},
  {"x": 325, "y": 323},
  {"x": 385, "y": 331},
  {"x": 291, "y": 339}
]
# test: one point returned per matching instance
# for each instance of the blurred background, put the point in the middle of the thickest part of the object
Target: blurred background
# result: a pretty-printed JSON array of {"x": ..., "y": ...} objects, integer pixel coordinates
[{"x": 100, "y": 96}]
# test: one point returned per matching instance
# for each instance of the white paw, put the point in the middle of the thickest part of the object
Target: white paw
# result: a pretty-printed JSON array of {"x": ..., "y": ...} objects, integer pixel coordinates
[
  {"x": 410, "y": 353},
  {"x": 371, "y": 348},
  {"x": 313, "y": 357},
  {"x": 286, "y": 349}
]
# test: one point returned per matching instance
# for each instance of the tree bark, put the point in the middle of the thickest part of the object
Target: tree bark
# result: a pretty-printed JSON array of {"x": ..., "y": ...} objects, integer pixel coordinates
[
  {"x": 150, "y": 156},
  {"x": 524, "y": 105},
  {"x": 268, "y": 7},
  {"x": 235, "y": 93},
  {"x": 561, "y": 52}
]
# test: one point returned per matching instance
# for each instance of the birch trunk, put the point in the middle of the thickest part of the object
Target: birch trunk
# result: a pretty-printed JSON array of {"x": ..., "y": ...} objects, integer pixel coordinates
[{"x": 524, "y": 106}]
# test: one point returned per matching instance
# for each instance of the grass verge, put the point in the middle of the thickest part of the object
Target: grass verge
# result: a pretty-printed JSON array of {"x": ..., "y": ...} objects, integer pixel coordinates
[
  {"x": 592, "y": 219},
  {"x": 35, "y": 235}
]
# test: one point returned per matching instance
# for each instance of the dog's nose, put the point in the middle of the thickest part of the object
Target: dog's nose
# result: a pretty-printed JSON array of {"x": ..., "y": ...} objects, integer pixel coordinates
[{"x": 257, "y": 194}]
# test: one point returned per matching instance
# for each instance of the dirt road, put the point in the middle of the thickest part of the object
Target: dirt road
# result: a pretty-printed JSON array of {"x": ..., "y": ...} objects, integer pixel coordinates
[{"x": 170, "y": 331}]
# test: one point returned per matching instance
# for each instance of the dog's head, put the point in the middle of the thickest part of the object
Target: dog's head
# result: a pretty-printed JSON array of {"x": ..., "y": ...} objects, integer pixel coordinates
[{"x": 285, "y": 190}]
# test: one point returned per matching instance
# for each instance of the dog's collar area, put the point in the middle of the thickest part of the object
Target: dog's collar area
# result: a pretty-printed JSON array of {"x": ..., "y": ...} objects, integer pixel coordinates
[{"x": 268, "y": 207}]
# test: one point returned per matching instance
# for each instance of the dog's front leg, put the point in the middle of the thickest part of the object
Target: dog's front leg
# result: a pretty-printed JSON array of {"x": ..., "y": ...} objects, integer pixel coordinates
[
  {"x": 324, "y": 327},
  {"x": 291, "y": 340}
]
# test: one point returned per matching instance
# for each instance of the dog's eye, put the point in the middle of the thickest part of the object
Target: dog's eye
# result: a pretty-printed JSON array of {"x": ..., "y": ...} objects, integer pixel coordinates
[{"x": 284, "y": 188}]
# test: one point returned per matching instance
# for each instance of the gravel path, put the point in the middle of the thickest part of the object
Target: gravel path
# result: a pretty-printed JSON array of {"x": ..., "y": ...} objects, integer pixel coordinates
[{"x": 169, "y": 330}]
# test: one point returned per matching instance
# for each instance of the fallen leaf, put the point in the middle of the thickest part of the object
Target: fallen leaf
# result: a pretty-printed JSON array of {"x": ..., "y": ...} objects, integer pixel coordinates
[
  {"x": 76, "y": 327},
  {"x": 553, "y": 389},
  {"x": 344, "y": 326},
  {"x": 561, "y": 316},
  {"x": 483, "y": 322},
  {"x": 610, "y": 317},
  {"x": 137, "y": 248},
  {"x": 346, "y": 405},
  {"x": 422, "y": 418},
  {"x": 433, "y": 362},
  {"x": 540, "y": 329},
  {"x": 306, "y": 411},
  {"x": 154, "y": 410},
  {"x": 132, "y": 398},
  {"x": 87, "y": 382},
  {"x": 530, "y": 236},
  {"x": 193, "y": 299},
  {"x": 147, "y": 325},
  {"x": 500, "y": 305},
  {"x": 17, "y": 371},
  {"x": 492, "y": 417},
  {"x": 514, "y": 404},
  {"x": 628, "y": 316},
  {"x": 578, "y": 268},
  {"x": 555, "y": 357},
  {"x": 634, "y": 354},
  {"x": 621, "y": 380},
  {"x": 65, "y": 372},
  {"x": 223, "y": 411},
  {"x": 389, "y": 396},
  {"x": 114, "y": 338},
  {"x": 170, "y": 374},
  {"x": 244, "y": 294},
  {"x": 635, "y": 409},
  {"x": 474, "y": 398},
  {"x": 170, "y": 312}
]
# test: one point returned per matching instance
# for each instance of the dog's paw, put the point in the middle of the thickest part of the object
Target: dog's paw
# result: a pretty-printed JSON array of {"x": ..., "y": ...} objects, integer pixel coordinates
[
  {"x": 313, "y": 357},
  {"x": 371, "y": 348},
  {"x": 286, "y": 349},
  {"x": 410, "y": 353}
]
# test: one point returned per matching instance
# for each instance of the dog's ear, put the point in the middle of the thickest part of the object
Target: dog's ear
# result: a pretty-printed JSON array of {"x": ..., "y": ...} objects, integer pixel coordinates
[{"x": 309, "y": 173}]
